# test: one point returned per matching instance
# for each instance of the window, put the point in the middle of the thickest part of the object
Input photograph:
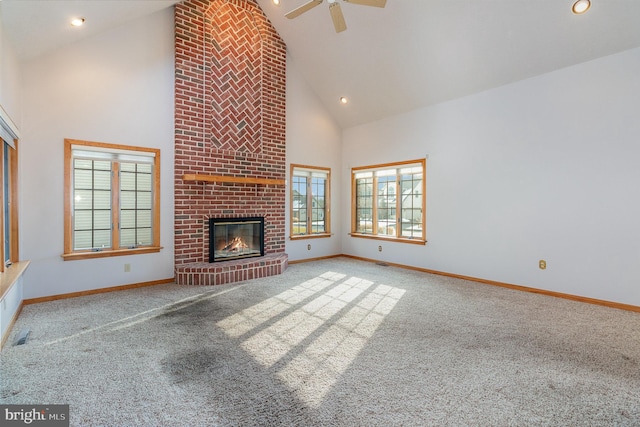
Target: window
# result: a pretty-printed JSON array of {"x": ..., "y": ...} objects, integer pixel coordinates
[
  {"x": 9, "y": 214},
  {"x": 6, "y": 193},
  {"x": 112, "y": 200},
  {"x": 310, "y": 199},
  {"x": 388, "y": 201}
]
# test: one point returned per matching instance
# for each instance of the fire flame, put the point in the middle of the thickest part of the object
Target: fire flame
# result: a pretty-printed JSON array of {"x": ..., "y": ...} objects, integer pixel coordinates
[{"x": 235, "y": 245}]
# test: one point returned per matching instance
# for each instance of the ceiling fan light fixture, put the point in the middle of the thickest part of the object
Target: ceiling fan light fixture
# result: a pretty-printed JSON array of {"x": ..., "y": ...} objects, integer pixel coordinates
[
  {"x": 77, "y": 22},
  {"x": 581, "y": 6},
  {"x": 334, "y": 9}
]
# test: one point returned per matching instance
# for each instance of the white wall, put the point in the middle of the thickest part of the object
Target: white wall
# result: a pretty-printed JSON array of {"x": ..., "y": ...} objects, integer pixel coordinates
[
  {"x": 116, "y": 87},
  {"x": 10, "y": 82},
  {"x": 10, "y": 303},
  {"x": 546, "y": 168},
  {"x": 10, "y": 102},
  {"x": 313, "y": 139}
]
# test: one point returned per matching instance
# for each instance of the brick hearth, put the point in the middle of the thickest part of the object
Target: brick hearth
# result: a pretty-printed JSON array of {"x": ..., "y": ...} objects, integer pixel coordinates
[
  {"x": 231, "y": 271},
  {"x": 229, "y": 122}
]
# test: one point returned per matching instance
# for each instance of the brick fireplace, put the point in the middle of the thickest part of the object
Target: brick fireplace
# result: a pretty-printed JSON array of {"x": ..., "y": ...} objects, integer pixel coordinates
[{"x": 230, "y": 69}]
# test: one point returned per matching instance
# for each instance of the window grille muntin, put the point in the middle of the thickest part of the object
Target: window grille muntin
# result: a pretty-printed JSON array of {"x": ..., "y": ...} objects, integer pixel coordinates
[
  {"x": 396, "y": 208},
  {"x": 310, "y": 198}
]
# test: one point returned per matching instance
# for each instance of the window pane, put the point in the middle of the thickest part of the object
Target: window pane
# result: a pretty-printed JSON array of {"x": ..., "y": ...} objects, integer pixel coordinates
[
  {"x": 102, "y": 199},
  {"x": 83, "y": 179},
  {"x": 318, "y": 186},
  {"x": 127, "y": 200},
  {"x": 102, "y": 239},
  {"x": 83, "y": 199},
  {"x": 145, "y": 201},
  {"x": 91, "y": 204},
  {"x": 82, "y": 240},
  {"x": 127, "y": 181},
  {"x": 136, "y": 204},
  {"x": 143, "y": 182},
  {"x": 411, "y": 202},
  {"x": 82, "y": 164},
  {"x": 386, "y": 205},
  {"x": 102, "y": 165},
  {"x": 144, "y": 237},
  {"x": 102, "y": 220},
  {"x": 127, "y": 167},
  {"x": 364, "y": 205},
  {"x": 145, "y": 168},
  {"x": 83, "y": 220},
  {"x": 128, "y": 219},
  {"x": 143, "y": 219},
  {"x": 6, "y": 191},
  {"x": 127, "y": 237},
  {"x": 101, "y": 179},
  {"x": 299, "y": 207}
]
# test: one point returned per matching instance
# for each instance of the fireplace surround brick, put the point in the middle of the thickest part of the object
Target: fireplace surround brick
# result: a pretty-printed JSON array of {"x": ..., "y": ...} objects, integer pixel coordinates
[
  {"x": 230, "y": 77},
  {"x": 231, "y": 271}
]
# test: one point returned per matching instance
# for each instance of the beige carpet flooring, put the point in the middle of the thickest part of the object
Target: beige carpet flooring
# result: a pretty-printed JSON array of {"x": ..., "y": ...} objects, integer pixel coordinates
[{"x": 337, "y": 342}]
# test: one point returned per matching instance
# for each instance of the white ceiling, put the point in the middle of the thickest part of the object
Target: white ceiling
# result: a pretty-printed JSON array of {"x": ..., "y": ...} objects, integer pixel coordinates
[
  {"x": 38, "y": 26},
  {"x": 412, "y": 53}
]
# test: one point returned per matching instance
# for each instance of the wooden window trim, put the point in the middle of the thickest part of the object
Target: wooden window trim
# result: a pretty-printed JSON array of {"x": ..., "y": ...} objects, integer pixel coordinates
[
  {"x": 2, "y": 218},
  {"x": 69, "y": 254},
  {"x": 374, "y": 235},
  {"x": 327, "y": 209},
  {"x": 310, "y": 236},
  {"x": 14, "y": 254},
  {"x": 110, "y": 253},
  {"x": 14, "y": 203}
]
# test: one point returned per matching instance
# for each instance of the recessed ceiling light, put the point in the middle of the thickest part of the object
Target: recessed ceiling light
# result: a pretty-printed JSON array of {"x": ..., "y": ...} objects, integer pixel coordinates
[
  {"x": 343, "y": 100},
  {"x": 581, "y": 6},
  {"x": 77, "y": 22},
  {"x": 276, "y": 2}
]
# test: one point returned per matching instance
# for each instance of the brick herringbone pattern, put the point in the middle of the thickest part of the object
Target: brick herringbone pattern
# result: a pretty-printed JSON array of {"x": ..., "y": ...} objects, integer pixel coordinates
[{"x": 235, "y": 78}]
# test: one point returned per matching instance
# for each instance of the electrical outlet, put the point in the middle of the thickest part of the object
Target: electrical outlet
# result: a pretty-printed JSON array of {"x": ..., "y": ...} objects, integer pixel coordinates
[
  {"x": 309, "y": 247},
  {"x": 127, "y": 268},
  {"x": 379, "y": 248},
  {"x": 542, "y": 264}
]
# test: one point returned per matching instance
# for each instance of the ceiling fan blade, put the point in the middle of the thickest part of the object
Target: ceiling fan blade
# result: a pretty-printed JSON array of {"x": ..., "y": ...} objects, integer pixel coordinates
[
  {"x": 375, "y": 3},
  {"x": 302, "y": 9},
  {"x": 338, "y": 17}
]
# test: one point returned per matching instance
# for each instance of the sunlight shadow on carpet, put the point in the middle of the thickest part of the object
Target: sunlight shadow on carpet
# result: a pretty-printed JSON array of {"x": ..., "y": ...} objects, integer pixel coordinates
[
  {"x": 252, "y": 317},
  {"x": 273, "y": 343},
  {"x": 316, "y": 370},
  {"x": 316, "y": 362}
]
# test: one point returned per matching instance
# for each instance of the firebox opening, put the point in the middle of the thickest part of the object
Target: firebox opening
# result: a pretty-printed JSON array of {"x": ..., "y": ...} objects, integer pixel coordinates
[{"x": 234, "y": 238}]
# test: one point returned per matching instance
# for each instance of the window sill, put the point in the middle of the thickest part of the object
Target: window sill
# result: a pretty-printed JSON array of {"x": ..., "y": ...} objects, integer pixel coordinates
[
  {"x": 10, "y": 276},
  {"x": 110, "y": 253},
  {"x": 310, "y": 236},
  {"x": 388, "y": 238}
]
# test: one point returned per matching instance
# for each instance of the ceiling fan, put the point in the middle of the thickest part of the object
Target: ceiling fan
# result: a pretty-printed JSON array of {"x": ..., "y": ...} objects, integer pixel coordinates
[{"x": 334, "y": 9}]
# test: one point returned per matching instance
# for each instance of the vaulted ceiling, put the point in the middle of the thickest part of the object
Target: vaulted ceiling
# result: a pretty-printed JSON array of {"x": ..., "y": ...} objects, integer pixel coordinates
[{"x": 410, "y": 54}]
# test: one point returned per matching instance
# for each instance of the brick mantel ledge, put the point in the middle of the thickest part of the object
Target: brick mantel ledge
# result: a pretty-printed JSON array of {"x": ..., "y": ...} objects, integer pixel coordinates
[
  {"x": 232, "y": 179},
  {"x": 219, "y": 273}
]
